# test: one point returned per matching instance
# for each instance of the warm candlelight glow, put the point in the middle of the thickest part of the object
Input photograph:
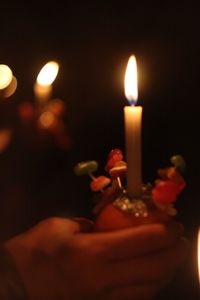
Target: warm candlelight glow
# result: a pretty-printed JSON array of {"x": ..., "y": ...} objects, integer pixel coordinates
[
  {"x": 130, "y": 82},
  {"x": 5, "y": 76},
  {"x": 48, "y": 73},
  {"x": 198, "y": 253}
]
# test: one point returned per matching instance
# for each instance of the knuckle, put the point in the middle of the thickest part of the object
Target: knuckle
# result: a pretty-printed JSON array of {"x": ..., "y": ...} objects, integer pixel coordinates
[
  {"x": 53, "y": 222},
  {"x": 53, "y": 225}
]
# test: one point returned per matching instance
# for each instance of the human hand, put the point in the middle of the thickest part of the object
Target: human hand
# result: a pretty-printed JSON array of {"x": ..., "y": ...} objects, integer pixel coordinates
[{"x": 57, "y": 260}]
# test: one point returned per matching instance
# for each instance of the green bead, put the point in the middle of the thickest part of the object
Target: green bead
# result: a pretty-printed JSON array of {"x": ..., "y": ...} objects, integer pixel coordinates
[
  {"x": 85, "y": 167},
  {"x": 179, "y": 162}
]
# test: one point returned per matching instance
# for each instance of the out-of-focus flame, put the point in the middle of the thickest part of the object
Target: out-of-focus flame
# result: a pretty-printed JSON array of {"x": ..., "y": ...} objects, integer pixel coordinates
[
  {"x": 5, "y": 76},
  {"x": 26, "y": 111},
  {"x": 198, "y": 253},
  {"x": 130, "y": 82},
  {"x": 48, "y": 73},
  {"x": 57, "y": 107},
  {"x": 10, "y": 90},
  {"x": 5, "y": 138},
  {"x": 47, "y": 119}
]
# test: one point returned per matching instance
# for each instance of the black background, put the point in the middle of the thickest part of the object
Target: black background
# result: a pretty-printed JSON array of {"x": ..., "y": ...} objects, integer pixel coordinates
[{"x": 92, "y": 41}]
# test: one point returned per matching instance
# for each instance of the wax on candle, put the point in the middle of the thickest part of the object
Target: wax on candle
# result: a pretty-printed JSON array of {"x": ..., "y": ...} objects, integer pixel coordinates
[
  {"x": 133, "y": 120},
  {"x": 43, "y": 85}
]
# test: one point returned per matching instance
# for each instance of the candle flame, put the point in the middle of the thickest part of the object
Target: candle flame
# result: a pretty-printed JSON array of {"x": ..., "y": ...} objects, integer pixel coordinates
[
  {"x": 198, "y": 253},
  {"x": 48, "y": 73},
  {"x": 5, "y": 76},
  {"x": 130, "y": 82}
]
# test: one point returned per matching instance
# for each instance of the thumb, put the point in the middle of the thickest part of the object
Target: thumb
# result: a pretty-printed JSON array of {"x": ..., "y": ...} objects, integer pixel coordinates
[
  {"x": 49, "y": 234},
  {"x": 58, "y": 229}
]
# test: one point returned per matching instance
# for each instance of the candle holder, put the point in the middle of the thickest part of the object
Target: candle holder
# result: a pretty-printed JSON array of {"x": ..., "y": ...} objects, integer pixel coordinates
[
  {"x": 115, "y": 209},
  {"x": 125, "y": 212}
]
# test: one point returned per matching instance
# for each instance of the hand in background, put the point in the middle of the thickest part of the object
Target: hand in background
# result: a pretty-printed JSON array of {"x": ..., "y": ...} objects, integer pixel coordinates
[{"x": 60, "y": 259}]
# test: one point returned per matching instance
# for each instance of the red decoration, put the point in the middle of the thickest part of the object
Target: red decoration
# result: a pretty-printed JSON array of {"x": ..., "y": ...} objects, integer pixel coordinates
[{"x": 114, "y": 156}]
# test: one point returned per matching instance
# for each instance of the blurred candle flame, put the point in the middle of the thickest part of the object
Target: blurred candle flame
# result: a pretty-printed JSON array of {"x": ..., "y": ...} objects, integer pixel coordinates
[
  {"x": 130, "y": 82},
  {"x": 5, "y": 76},
  {"x": 198, "y": 253},
  {"x": 47, "y": 119},
  {"x": 5, "y": 138},
  {"x": 48, "y": 73},
  {"x": 10, "y": 89}
]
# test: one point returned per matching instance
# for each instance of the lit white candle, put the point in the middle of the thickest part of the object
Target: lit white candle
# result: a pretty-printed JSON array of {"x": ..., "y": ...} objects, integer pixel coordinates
[
  {"x": 45, "y": 78},
  {"x": 133, "y": 120}
]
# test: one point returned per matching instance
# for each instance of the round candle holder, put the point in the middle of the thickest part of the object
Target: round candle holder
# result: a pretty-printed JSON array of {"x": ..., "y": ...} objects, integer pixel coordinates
[{"x": 124, "y": 211}]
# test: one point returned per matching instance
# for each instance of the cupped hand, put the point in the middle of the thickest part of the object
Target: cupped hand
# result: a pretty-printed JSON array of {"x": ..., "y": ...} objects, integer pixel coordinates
[{"x": 61, "y": 259}]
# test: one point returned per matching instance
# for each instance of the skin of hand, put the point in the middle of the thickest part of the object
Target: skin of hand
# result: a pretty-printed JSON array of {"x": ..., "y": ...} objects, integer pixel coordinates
[{"x": 61, "y": 259}]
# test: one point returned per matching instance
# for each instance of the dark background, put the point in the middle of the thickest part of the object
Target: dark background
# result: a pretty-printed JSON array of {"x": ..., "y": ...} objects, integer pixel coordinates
[{"x": 92, "y": 41}]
